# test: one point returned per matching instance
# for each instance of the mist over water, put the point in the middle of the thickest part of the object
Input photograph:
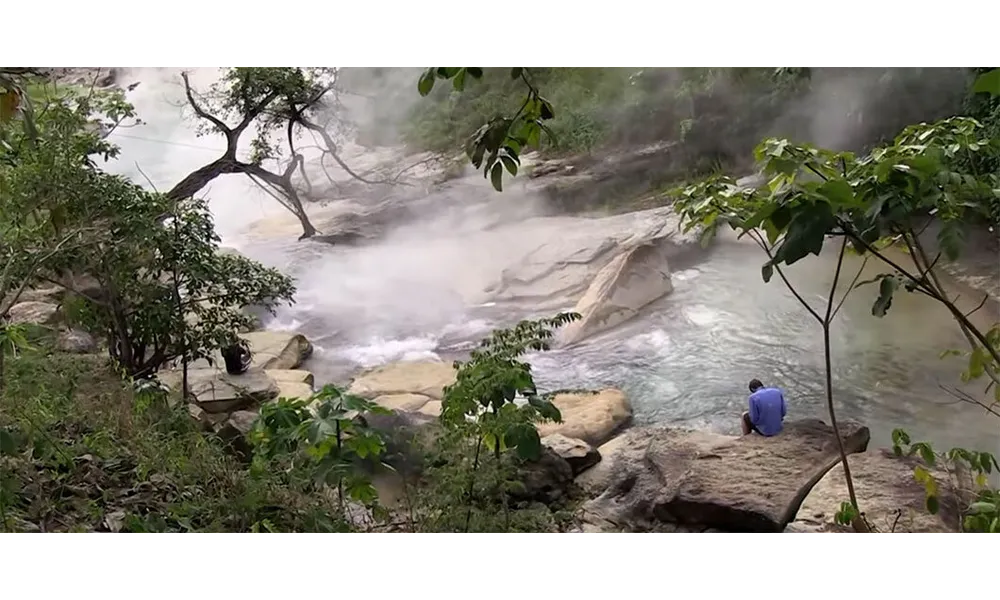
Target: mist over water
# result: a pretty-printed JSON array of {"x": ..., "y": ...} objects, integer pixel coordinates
[{"x": 417, "y": 292}]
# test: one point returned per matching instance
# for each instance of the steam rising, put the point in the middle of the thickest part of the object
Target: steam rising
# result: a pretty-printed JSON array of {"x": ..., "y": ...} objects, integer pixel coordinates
[{"x": 415, "y": 285}]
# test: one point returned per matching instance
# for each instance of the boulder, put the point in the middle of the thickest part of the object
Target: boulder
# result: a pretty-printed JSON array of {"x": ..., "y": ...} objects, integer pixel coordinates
[
  {"x": 278, "y": 349},
  {"x": 579, "y": 454},
  {"x": 426, "y": 378},
  {"x": 589, "y": 416},
  {"x": 216, "y": 391},
  {"x": 34, "y": 311},
  {"x": 626, "y": 285},
  {"x": 234, "y": 431},
  {"x": 76, "y": 341},
  {"x": 887, "y": 493},
  {"x": 597, "y": 478},
  {"x": 695, "y": 478}
]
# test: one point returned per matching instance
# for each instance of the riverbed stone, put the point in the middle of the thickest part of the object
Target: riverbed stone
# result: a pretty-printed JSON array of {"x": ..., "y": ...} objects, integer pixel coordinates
[
  {"x": 424, "y": 378},
  {"x": 597, "y": 478},
  {"x": 292, "y": 383},
  {"x": 404, "y": 402},
  {"x": 887, "y": 493},
  {"x": 590, "y": 416},
  {"x": 579, "y": 454},
  {"x": 632, "y": 280},
  {"x": 216, "y": 391},
  {"x": 76, "y": 341},
  {"x": 34, "y": 311},
  {"x": 291, "y": 375},
  {"x": 278, "y": 349},
  {"x": 697, "y": 478}
]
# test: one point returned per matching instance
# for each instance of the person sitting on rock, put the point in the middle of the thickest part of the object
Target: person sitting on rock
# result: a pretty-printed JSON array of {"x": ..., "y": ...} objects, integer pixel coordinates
[
  {"x": 237, "y": 357},
  {"x": 767, "y": 410}
]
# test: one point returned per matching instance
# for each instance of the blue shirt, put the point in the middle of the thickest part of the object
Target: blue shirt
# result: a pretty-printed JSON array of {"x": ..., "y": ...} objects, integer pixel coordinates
[{"x": 767, "y": 410}]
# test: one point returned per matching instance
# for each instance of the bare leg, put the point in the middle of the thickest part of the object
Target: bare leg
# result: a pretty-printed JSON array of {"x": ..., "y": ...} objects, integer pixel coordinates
[{"x": 745, "y": 423}]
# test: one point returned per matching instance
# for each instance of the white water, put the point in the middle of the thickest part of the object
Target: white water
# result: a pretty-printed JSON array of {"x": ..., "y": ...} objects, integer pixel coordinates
[{"x": 687, "y": 360}]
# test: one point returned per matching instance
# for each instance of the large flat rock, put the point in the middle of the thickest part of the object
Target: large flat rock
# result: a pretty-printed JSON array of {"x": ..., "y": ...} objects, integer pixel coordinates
[
  {"x": 407, "y": 378},
  {"x": 216, "y": 391},
  {"x": 589, "y": 416},
  {"x": 695, "y": 478}
]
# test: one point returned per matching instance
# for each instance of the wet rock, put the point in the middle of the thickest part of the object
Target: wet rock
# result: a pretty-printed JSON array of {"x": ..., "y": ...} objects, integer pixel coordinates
[
  {"x": 632, "y": 280},
  {"x": 579, "y": 454},
  {"x": 76, "y": 341},
  {"x": 890, "y": 497},
  {"x": 694, "y": 478},
  {"x": 32, "y": 311},
  {"x": 424, "y": 378},
  {"x": 590, "y": 416}
]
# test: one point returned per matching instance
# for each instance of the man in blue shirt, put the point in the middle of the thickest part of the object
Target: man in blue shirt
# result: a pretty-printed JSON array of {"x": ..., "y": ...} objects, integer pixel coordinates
[{"x": 767, "y": 410}]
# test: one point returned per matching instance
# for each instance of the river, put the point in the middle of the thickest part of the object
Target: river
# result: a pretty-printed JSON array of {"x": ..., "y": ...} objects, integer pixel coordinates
[{"x": 687, "y": 359}]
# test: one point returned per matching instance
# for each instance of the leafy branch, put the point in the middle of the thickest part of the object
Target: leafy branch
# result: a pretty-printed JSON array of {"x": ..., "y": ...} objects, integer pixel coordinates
[{"x": 498, "y": 144}]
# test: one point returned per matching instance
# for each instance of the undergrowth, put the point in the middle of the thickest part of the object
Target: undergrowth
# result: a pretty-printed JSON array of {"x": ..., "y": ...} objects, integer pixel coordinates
[{"x": 88, "y": 453}]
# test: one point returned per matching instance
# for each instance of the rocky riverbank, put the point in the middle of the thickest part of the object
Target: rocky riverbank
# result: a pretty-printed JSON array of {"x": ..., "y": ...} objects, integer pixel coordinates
[
  {"x": 620, "y": 478},
  {"x": 665, "y": 478}
]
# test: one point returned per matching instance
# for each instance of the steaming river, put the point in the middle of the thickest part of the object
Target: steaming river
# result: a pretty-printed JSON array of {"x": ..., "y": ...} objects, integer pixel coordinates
[{"x": 687, "y": 359}]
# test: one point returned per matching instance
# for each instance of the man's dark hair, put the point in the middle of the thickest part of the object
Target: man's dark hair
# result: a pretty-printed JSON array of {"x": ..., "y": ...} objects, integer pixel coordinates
[{"x": 755, "y": 385}]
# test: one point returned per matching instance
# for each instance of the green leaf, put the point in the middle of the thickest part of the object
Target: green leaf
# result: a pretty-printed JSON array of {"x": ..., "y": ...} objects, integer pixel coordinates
[
  {"x": 476, "y": 72},
  {"x": 547, "y": 112},
  {"x": 887, "y": 287},
  {"x": 988, "y": 83},
  {"x": 459, "y": 82},
  {"x": 767, "y": 271},
  {"x": 496, "y": 176},
  {"x": 515, "y": 72},
  {"x": 933, "y": 505},
  {"x": 545, "y": 408},
  {"x": 981, "y": 508},
  {"x": 837, "y": 191},
  {"x": 806, "y": 233},
  {"x": 925, "y": 453},
  {"x": 510, "y": 164},
  {"x": 7, "y": 445},
  {"x": 951, "y": 238},
  {"x": 426, "y": 83},
  {"x": 986, "y": 461},
  {"x": 529, "y": 445}
]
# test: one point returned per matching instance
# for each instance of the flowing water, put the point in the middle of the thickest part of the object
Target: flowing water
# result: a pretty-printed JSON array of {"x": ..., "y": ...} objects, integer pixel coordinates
[{"x": 686, "y": 359}]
